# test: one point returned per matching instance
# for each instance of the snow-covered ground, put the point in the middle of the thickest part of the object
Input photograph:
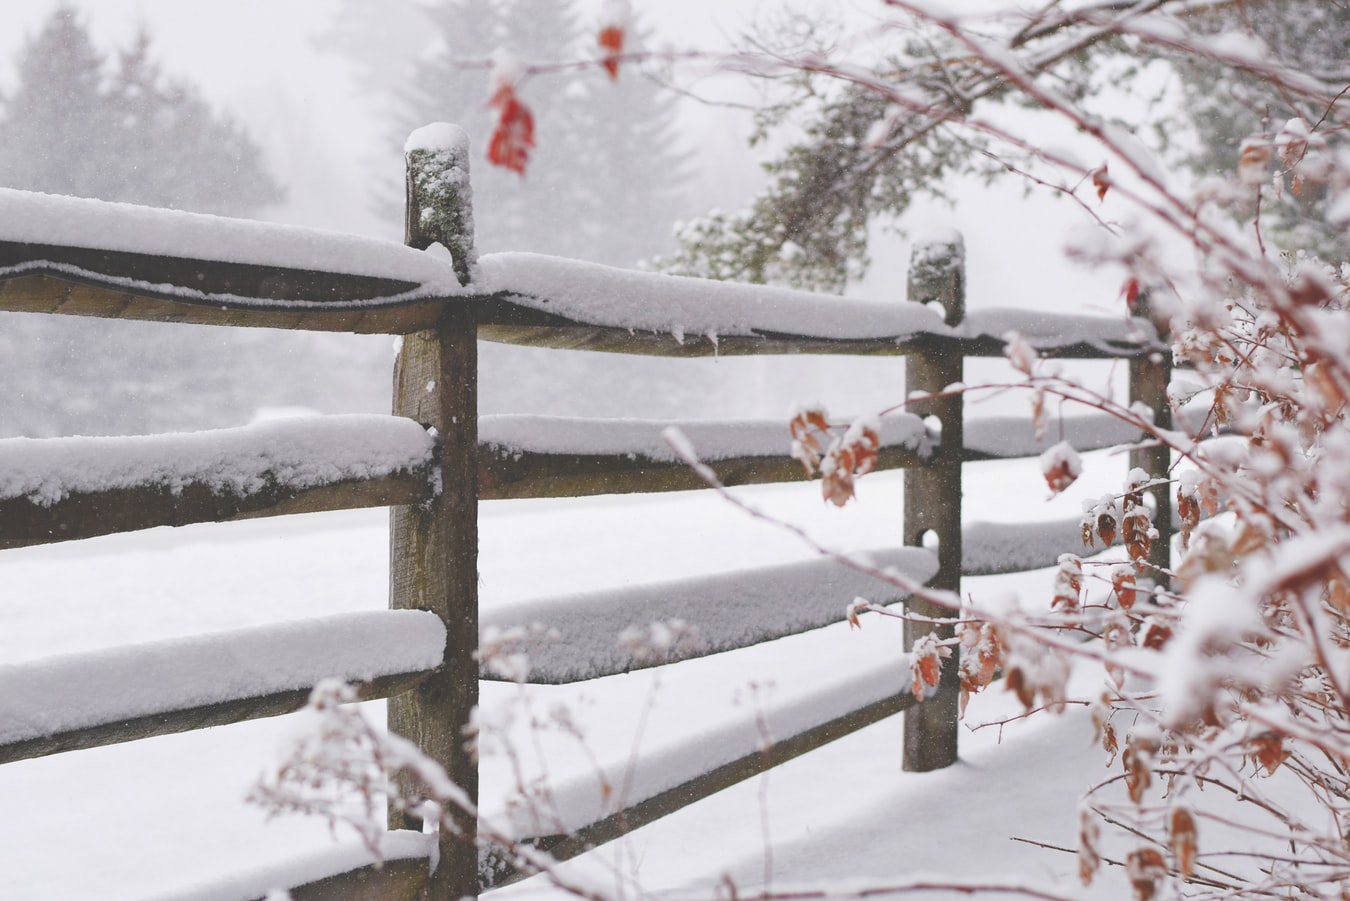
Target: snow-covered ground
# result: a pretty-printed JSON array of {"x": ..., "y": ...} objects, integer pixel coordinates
[{"x": 165, "y": 817}]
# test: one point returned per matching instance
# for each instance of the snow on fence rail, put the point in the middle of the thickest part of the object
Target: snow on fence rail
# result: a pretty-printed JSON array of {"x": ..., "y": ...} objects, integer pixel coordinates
[
  {"x": 433, "y": 460},
  {"x": 58, "y": 489},
  {"x": 82, "y": 700}
]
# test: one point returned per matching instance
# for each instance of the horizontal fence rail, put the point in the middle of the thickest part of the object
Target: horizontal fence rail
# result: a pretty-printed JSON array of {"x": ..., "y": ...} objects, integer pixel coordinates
[
  {"x": 58, "y": 489},
  {"x": 581, "y": 637},
  {"x": 88, "y": 257},
  {"x": 673, "y": 775},
  {"x": 541, "y": 456},
  {"x": 88, "y": 700}
]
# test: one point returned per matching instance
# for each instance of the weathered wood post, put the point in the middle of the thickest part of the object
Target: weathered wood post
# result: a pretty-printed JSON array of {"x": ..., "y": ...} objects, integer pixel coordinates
[
  {"x": 1149, "y": 376},
  {"x": 434, "y": 546},
  {"x": 933, "y": 493}
]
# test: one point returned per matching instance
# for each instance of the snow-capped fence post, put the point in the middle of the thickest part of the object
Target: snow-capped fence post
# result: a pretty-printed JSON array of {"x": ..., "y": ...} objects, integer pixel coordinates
[
  {"x": 1149, "y": 376},
  {"x": 434, "y": 546},
  {"x": 932, "y": 503}
]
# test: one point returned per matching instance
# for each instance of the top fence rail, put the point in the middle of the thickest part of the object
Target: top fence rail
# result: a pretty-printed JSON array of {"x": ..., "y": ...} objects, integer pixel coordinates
[{"x": 92, "y": 258}]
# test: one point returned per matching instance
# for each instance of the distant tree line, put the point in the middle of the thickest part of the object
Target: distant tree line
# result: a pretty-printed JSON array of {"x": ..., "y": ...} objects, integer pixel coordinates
[
  {"x": 114, "y": 127},
  {"x": 81, "y": 123}
]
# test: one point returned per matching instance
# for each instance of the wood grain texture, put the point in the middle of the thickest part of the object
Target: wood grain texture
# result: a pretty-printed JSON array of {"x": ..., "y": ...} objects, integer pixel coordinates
[{"x": 89, "y": 514}]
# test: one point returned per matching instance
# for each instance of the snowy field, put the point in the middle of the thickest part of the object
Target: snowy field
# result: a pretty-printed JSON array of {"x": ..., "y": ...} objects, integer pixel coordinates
[{"x": 164, "y": 818}]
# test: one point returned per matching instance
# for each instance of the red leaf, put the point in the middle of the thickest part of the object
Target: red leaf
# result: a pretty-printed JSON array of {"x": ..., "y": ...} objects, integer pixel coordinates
[
  {"x": 1268, "y": 751},
  {"x": 1183, "y": 841},
  {"x": 1101, "y": 181},
  {"x": 611, "y": 42},
  {"x": 1146, "y": 870},
  {"x": 513, "y": 137},
  {"x": 1131, "y": 292}
]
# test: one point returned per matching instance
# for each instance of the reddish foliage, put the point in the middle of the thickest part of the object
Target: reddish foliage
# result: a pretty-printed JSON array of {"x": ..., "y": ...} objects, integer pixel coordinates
[
  {"x": 1182, "y": 830},
  {"x": 1124, "y": 585},
  {"x": 611, "y": 42},
  {"x": 1138, "y": 532},
  {"x": 1131, "y": 292},
  {"x": 1146, "y": 869},
  {"x": 981, "y": 657},
  {"x": 1060, "y": 476},
  {"x": 1101, "y": 181},
  {"x": 1089, "y": 860},
  {"x": 513, "y": 138},
  {"x": 925, "y": 664},
  {"x": 1137, "y": 761},
  {"x": 1268, "y": 751}
]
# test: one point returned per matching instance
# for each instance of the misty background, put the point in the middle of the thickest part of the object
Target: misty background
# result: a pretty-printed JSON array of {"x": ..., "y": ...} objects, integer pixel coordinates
[{"x": 296, "y": 112}]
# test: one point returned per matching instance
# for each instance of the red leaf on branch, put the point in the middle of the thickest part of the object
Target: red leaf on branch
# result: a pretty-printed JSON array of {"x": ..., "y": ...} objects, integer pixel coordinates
[
  {"x": 613, "y": 29},
  {"x": 1183, "y": 843},
  {"x": 925, "y": 664},
  {"x": 1061, "y": 466},
  {"x": 513, "y": 138},
  {"x": 1131, "y": 292},
  {"x": 611, "y": 42},
  {"x": 1146, "y": 870},
  {"x": 1268, "y": 751},
  {"x": 1101, "y": 181}
]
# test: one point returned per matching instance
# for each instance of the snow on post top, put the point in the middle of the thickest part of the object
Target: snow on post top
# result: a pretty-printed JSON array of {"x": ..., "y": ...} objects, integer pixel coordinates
[
  {"x": 440, "y": 195},
  {"x": 942, "y": 242},
  {"x": 437, "y": 136},
  {"x": 937, "y": 267}
]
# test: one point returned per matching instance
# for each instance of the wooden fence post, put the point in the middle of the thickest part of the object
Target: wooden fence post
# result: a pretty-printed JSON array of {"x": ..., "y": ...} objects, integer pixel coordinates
[
  {"x": 433, "y": 561},
  {"x": 1149, "y": 377},
  {"x": 933, "y": 494}
]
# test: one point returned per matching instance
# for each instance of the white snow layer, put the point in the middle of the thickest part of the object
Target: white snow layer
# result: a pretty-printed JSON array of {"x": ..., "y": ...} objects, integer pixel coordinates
[
  {"x": 260, "y": 881},
  {"x": 33, "y": 218},
  {"x": 1047, "y": 331},
  {"x": 578, "y": 637},
  {"x": 619, "y": 298},
  {"x": 1014, "y": 436},
  {"x": 436, "y": 136},
  {"x": 991, "y": 547},
  {"x": 643, "y": 438},
  {"x": 593, "y": 294},
  {"x": 291, "y": 453},
  {"x": 76, "y": 691}
]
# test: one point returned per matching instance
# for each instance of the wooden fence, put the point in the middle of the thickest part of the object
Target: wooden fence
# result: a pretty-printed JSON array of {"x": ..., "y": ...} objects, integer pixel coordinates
[{"x": 434, "y": 460}]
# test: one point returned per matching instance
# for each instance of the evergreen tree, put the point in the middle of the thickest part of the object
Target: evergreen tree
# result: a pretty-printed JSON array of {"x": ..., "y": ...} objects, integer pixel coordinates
[
  {"x": 76, "y": 125},
  {"x": 70, "y": 127},
  {"x": 56, "y": 127},
  {"x": 174, "y": 151},
  {"x": 1222, "y": 107},
  {"x": 857, "y": 155}
]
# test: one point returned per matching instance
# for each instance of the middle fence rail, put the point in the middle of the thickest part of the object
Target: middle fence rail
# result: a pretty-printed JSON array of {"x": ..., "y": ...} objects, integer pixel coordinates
[{"x": 434, "y": 459}]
